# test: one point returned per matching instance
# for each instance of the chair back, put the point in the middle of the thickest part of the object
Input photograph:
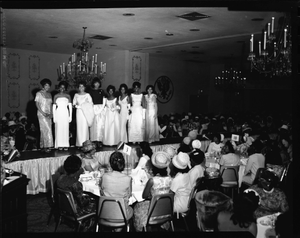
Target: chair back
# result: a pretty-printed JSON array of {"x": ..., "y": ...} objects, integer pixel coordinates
[
  {"x": 192, "y": 196},
  {"x": 112, "y": 211},
  {"x": 160, "y": 209},
  {"x": 66, "y": 202},
  {"x": 53, "y": 179},
  {"x": 229, "y": 173}
]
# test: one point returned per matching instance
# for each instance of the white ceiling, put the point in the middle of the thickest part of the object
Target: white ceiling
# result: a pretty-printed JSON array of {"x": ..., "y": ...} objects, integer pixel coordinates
[{"x": 223, "y": 35}]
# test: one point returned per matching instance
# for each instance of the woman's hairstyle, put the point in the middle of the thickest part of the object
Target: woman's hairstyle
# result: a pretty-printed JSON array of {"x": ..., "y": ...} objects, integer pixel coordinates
[
  {"x": 174, "y": 170},
  {"x": 243, "y": 209},
  {"x": 123, "y": 85},
  {"x": 95, "y": 80},
  {"x": 117, "y": 161},
  {"x": 150, "y": 86},
  {"x": 255, "y": 147},
  {"x": 139, "y": 152},
  {"x": 145, "y": 146},
  {"x": 111, "y": 87},
  {"x": 267, "y": 177},
  {"x": 229, "y": 146},
  {"x": 45, "y": 81},
  {"x": 218, "y": 136},
  {"x": 72, "y": 164},
  {"x": 64, "y": 83},
  {"x": 161, "y": 172},
  {"x": 81, "y": 83},
  {"x": 136, "y": 84}
]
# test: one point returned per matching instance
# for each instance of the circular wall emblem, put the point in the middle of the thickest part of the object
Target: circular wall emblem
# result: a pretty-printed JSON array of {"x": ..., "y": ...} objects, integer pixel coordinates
[{"x": 164, "y": 88}]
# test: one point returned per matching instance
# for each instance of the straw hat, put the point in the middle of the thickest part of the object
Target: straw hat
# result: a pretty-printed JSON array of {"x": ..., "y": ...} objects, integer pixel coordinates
[
  {"x": 196, "y": 144},
  {"x": 170, "y": 150},
  {"x": 160, "y": 159},
  {"x": 11, "y": 123},
  {"x": 181, "y": 161},
  {"x": 88, "y": 146}
]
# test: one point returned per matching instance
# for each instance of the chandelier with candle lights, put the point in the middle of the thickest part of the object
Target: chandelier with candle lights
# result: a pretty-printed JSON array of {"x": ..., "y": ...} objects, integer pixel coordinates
[
  {"x": 230, "y": 79},
  {"x": 80, "y": 66},
  {"x": 273, "y": 55}
]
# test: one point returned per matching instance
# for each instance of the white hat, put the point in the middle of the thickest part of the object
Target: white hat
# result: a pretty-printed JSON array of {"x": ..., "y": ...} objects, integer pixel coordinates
[
  {"x": 285, "y": 127},
  {"x": 196, "y": 144},
  {"x": 160, "y": 159},
  {"x": 181, "y": 161},
  {"x": 170, "y": 150},
  {"x": 21, "y": 117},
  {"x": 193, "y": 134},
  {"x": 11, "y": 123},
  {"x": 187, "y": 140}
]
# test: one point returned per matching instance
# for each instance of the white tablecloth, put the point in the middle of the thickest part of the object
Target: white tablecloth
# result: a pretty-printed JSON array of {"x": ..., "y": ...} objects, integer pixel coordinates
[{"x": 264, "y": 226}]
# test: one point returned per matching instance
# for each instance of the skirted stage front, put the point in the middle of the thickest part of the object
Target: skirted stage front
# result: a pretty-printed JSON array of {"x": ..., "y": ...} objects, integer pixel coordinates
[{"x": 39, "y": 167}]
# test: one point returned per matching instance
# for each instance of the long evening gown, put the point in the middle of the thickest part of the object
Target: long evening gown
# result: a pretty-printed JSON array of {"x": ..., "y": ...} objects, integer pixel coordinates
[
  {"x": 111, "y": 124},
  {"x": 62, "y": 122},
  {"x": 123, "y": 119},
  {"x": 151, "y": 122},
  {"x": 136, "y": 124},
  {"x": 82, "y": 132},
  {"x": 46, "y": 139}
]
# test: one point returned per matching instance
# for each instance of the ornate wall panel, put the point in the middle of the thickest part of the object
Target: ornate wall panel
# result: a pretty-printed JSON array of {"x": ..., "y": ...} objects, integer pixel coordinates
[
  {"x": 34, "y": 67},
  {"x": 136, "y": 68},
  {"x": 13, "y": 95},
  {"x": 13, "y": 69}
]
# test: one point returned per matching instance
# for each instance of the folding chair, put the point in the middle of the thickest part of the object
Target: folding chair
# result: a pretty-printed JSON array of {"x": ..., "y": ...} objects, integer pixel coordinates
[{"x": 230, "y": 178}]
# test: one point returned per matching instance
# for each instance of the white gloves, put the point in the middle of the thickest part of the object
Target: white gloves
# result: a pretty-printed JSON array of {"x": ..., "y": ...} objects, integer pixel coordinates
[
  {"x": 70, "y": 112},
  {"x": 54, "y": 112}
]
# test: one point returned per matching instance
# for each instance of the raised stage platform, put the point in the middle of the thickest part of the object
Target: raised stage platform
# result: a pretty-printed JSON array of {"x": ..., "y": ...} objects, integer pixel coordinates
[{"x": 38, "y": 166}]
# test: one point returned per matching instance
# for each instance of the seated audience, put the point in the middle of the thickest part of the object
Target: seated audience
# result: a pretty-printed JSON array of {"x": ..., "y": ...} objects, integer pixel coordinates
[
  {"x": 286, "y": 149},
  {"x": 158, "y": 184},
  {"x": 116, "y": 184},
  {"x": 228, "y": 157},
  {"x": 185, "y": 145},
  {"x": 69, "y": 181},
  {"x": 180, "y": 185},
  {"x": 216, "y": 145},
  {"x": 209, "y": 204},
  {"x": 255, "y": 161},
  {"x": 197, "y": 159},
  {"x": 242, "y": 217},
  {"x": 89, "y": 161},
  {"x": 272, "y": 199}
]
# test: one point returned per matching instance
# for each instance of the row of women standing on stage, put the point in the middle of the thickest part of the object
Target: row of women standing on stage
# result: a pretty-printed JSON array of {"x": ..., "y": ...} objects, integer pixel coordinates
[{"x": 100, "y": 116}]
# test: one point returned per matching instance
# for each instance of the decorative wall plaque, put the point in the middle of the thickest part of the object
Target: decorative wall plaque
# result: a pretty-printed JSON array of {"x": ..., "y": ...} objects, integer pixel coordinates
[
  {"x": 164, "y": 89},
  {"x": 13, "y": 69},
  {"x": 136, "y": 68},
  {"x": 13, "y": 95},
  {"x": 34, "y": 67}
]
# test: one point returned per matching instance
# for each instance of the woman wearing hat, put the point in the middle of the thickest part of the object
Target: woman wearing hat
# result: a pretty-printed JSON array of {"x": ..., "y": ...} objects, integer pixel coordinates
[
  {"x": 70, "y": 181},
  {"x": 272, "y": 199},
  {"x": 158, "y": 184},
  {"x": 179, "y": 167},
  {"x": 43, "y": 102},
  {"x": 197, "y": 158},
  {"x": 185, "y": 145},
  {"x": 89, "y": 162}
]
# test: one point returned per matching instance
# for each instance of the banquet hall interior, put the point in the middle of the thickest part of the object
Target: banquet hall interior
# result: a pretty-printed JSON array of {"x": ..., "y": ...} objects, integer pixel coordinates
[{"x": 207, "y": 62}]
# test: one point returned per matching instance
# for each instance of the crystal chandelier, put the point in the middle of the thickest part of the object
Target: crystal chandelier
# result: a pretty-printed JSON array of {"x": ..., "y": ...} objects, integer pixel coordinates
[
  {"x": 230, "y": 79},
  {"x": 80, "y": 66},
  {"x": 273, "y": 58}
]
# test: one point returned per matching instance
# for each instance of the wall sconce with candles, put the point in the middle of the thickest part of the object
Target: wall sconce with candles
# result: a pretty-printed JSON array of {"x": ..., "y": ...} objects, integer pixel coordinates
[
  {"x": 274, "y": 57},
  {"x": 81, "y": 67}
]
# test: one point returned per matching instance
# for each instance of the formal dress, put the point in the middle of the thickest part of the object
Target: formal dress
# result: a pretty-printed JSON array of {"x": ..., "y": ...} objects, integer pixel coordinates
[
  {"x": 136, "y": 124},
  {"x": 46, "y": 139},
  {"x": 111, "y": 124},
  {"x": 151, "y": 122},
  {"x": 254, "y": 162},
  {"x": 123, "y": 119},
  {"x": 61, "y": 116},
  {"x": 97, "y": 129},
  {"x": 82, "y": 128}
]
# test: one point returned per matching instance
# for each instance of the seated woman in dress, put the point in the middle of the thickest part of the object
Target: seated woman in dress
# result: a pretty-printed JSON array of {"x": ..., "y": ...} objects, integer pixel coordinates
[
  {"x": 228, "y": 157},
  {"x": 179, "y": 167},
  {"x": 216, "y": 145},
  {"x": 116, "y": 184},
  {"x": 242, "y": 217},
  {"x": 69, "y": 181},
  {"x": 89, "y": 161},
  {"x": 272, "y": 199},
  {"x": 158, "y": 184}
]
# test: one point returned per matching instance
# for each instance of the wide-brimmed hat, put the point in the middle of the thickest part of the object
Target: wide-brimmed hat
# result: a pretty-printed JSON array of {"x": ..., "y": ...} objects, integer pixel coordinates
[
  {"x": 170, "y": 150},
  {"x": 187, "y": 140},
  {"x": 88, "y": 146},
  {"x": 196, "y": 144},
  {"x": 193, "y": 134},
  {"x": 160, "y": 159},
  {"x": 11, "y": 123},
  {"x": 284, "y": 127},
  {"x": 22, "y": 117},
  {"x": 181, "y": 161},
  {"x": 197, "y": 156}
]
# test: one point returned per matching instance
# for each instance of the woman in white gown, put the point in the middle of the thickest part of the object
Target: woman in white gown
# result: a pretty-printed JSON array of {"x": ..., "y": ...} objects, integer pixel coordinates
[
  {"x": 151, "y": 122},
  {"x": 124, "y": 104},
  {"x": 62, "y": 116},
  {"x": 82, "y": 127},
  {"x": 136, "y": 123},
  {"x": 112, "y": 119}
]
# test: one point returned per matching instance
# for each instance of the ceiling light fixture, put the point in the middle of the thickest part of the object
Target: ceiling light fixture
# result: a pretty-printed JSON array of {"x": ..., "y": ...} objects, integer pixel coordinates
[
  {"x": 273, "y": 58},
  {"x": 80, "y": 67}
]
